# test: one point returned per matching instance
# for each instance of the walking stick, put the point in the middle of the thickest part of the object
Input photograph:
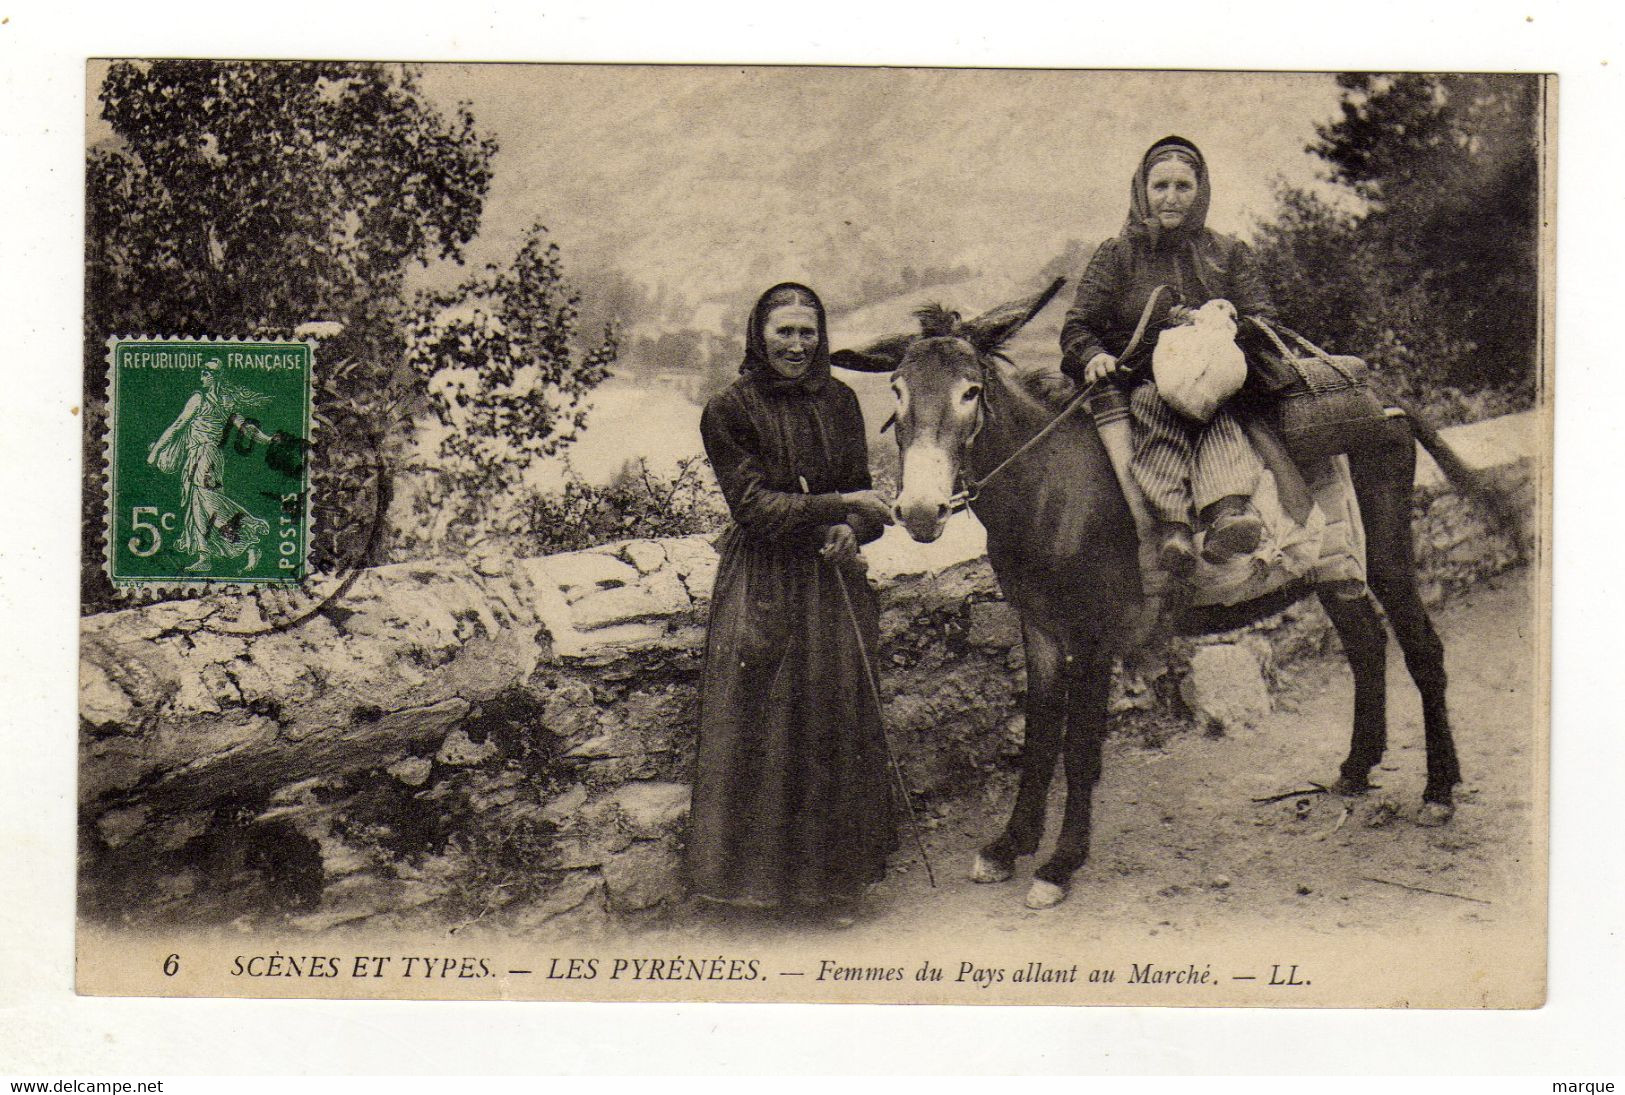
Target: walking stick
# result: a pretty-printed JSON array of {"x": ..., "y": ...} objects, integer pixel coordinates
[{"x": 893, "y": 763}]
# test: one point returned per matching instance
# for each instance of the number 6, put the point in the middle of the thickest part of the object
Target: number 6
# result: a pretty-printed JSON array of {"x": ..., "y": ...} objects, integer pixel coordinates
[{"x": 137, "y": 524}]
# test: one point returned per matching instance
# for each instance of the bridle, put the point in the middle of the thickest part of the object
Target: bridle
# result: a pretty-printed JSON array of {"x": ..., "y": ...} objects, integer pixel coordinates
[{"x": 970, "y": 490}]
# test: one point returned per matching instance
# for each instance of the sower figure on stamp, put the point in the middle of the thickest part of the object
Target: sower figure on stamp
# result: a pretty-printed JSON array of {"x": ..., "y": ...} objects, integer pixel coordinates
[
  {"x": 791, "y": 799},
  {"x": 213, "y": 526},
  {"x": 1184, "y": 468}
]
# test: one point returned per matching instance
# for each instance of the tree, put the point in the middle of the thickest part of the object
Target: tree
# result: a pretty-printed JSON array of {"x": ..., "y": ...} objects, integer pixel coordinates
[
  {"x": 1443, "y": 259},
  {"x": 250, "y": 198},
  {"x": 241, "y": 196},
  {"x": 499, "y": 361}
]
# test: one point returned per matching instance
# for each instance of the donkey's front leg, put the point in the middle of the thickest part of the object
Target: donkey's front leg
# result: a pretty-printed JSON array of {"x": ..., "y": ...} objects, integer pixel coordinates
[
  {"x": 1041, "y": 744},
  {"x": 1086, "y": 677}
]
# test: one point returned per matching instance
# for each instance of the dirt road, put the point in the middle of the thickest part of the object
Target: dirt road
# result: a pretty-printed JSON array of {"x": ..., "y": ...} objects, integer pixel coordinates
[{"x": 1179, "y": 846}]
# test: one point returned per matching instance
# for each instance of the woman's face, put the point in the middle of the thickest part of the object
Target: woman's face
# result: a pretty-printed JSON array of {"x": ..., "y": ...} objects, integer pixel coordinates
[
  {"x": 1170, "y": 190},
  {"x": 791, "y": 335}
]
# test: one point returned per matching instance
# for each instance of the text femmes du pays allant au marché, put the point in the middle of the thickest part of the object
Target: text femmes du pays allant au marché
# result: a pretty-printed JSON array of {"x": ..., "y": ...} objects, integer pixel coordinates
[{"x": 718, "y": 968}]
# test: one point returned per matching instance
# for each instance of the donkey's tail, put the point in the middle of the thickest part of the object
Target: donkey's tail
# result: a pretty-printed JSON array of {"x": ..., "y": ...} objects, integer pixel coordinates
[{"x": 1507, "y": 515}]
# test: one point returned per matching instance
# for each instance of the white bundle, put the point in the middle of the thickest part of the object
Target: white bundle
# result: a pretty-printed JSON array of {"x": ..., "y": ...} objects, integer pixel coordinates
[{"x": 1198, "y": 366}]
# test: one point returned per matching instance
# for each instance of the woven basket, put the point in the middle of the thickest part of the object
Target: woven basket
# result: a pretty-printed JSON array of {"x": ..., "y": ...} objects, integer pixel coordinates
[{"x": 1330, "y": 407}]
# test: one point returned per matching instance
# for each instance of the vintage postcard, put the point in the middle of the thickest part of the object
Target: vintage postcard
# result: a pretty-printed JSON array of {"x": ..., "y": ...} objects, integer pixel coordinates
[{"x": 762, "y": 534}]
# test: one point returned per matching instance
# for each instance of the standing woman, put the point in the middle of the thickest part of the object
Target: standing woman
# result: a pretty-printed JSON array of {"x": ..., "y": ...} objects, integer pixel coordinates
[
  {"x": 1184, "y": 469},
  {"x": 791, "y": 799}
]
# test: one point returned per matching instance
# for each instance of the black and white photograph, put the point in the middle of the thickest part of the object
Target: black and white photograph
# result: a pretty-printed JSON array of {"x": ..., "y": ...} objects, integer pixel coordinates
[
  {"x": 873, "y": 535},
  {"x": 717, "y": 541}
]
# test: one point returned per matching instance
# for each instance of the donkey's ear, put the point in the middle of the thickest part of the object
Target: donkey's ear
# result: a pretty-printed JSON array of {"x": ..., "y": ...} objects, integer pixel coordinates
[
  {"x": 993, "y": 328},
  {"x": 877, "y": 357}
]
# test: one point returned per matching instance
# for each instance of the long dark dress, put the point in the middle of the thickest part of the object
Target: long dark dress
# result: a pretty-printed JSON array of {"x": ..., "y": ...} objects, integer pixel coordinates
[{"x": 791, "y": 799}]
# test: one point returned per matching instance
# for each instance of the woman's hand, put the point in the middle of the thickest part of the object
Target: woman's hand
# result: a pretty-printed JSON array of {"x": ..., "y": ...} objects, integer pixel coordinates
[
  {"x": 840, "y": 544},
  {"x": 867, "y": 503},
  {"x": 1099, "y": 367}
]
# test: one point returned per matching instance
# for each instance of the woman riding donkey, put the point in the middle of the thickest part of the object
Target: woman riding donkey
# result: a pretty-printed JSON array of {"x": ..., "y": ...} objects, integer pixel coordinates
[{"x": 1164, "y": 266}]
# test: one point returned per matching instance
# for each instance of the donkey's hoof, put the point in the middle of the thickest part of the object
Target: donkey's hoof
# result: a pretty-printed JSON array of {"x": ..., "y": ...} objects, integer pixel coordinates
[
  {"x": 1350, "y": 787},
  {"x": 1435, "y": 814},
  {"x": 983, "y": 869},
  {"x": 1045, "y": 895}
]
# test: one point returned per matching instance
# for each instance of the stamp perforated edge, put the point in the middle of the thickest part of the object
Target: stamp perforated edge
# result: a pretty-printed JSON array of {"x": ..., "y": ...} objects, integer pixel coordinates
[{"x": 109, "y": 454}]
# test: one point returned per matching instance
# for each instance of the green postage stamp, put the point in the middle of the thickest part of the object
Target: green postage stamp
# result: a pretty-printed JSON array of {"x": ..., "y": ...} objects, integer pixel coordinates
[{"x": 208, "y": 477}]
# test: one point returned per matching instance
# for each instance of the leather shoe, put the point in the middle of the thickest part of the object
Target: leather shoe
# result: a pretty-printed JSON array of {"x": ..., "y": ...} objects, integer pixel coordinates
[
  {"x": 1175, "y": 553},
  {"x": 1234, "y": 529}
]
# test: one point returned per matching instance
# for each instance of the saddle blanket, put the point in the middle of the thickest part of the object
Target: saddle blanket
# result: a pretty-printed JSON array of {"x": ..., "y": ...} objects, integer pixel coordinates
[{"x": 1324, "y": 542}]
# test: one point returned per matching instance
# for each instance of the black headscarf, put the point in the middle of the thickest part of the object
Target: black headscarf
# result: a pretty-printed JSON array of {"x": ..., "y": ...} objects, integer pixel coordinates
[
  {"x": 756, "y": 364},
  {"x": 1192, "y": 235},
  {"x": 1144, "y": 223}
]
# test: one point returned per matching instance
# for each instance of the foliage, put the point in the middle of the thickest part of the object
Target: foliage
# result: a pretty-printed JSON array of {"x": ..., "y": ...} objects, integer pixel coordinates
[
  {"x": 250, "y": 198},
  {"x": 1435, "y": 277},
  {"x": 244, "y": 195},
  {"x": 636, "y": 504},
  {"x": 498, "y": 359}
]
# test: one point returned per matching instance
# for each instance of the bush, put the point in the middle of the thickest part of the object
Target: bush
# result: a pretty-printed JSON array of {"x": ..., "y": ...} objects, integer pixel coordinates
[
  {"x": 636, "y": 504},
  {"x": 1428, "y": 270}
]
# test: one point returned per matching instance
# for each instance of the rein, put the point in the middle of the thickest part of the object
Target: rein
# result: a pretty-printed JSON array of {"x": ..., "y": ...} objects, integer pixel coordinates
[{"x": 968, "y": 494}]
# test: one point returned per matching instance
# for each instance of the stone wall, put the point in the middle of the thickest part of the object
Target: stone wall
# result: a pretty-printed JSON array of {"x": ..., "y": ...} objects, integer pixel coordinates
[{"x": 475, "y": 739}]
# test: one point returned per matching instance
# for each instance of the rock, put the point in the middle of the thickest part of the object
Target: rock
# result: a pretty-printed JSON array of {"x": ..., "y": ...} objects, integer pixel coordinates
[
  {"x": 611, "y": 641},
  {"x": 616, "y": 742},
  {"x": 569, "y": 710},
  {"x": 101, "y": 702},
  {"x": 562, "y": 808},
  {"x": 482, "y": 801},
  {"x": 653, "y": 809},
  {"x": 359, "y": 897},
  {"x": 695, "y": 561},
  {"x": 457, "y": 750},
  {"x": 646, "y": 874},
  {"x": 413, "y": 771},
  {"x": 594, "y": 846},
  {"x": 190, "y": 748},
  {"x": 659, "y": 594},
  {"x": 573, "y": 891},
  {"x": 993, "y": 623},
  {"x": 647, "y": 555},
  {"x": 180, "y": 831},
  {"x": 300, "y": 792},
  {"x": 581, "y": 573},
  {"x": 1224, "y": 687},
  {"x": 118, "y": 826}
]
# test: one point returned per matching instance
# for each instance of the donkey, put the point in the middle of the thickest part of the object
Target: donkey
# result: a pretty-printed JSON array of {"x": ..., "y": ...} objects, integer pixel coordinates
[{"x": 1064, "y": 547}]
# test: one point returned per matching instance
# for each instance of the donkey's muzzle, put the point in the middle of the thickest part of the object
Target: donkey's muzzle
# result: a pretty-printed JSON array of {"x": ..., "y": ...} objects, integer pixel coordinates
[{"x": 923, "y": 521}]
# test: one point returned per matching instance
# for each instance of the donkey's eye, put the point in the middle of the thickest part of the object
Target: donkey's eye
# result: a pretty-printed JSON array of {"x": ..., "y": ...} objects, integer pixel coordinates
[{"x": 972, "y": 393}]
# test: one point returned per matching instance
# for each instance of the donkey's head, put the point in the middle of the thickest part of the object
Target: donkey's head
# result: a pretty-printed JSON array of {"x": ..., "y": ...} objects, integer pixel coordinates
[{"x": 938, "y": 377}]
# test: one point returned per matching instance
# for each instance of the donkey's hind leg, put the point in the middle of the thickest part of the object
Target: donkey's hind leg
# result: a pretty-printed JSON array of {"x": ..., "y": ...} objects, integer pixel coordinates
[
  {"x": 1365, "y": 645},
  {"x": 1041, "y": 746},
  {"x": 1382, "y": 480}
]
